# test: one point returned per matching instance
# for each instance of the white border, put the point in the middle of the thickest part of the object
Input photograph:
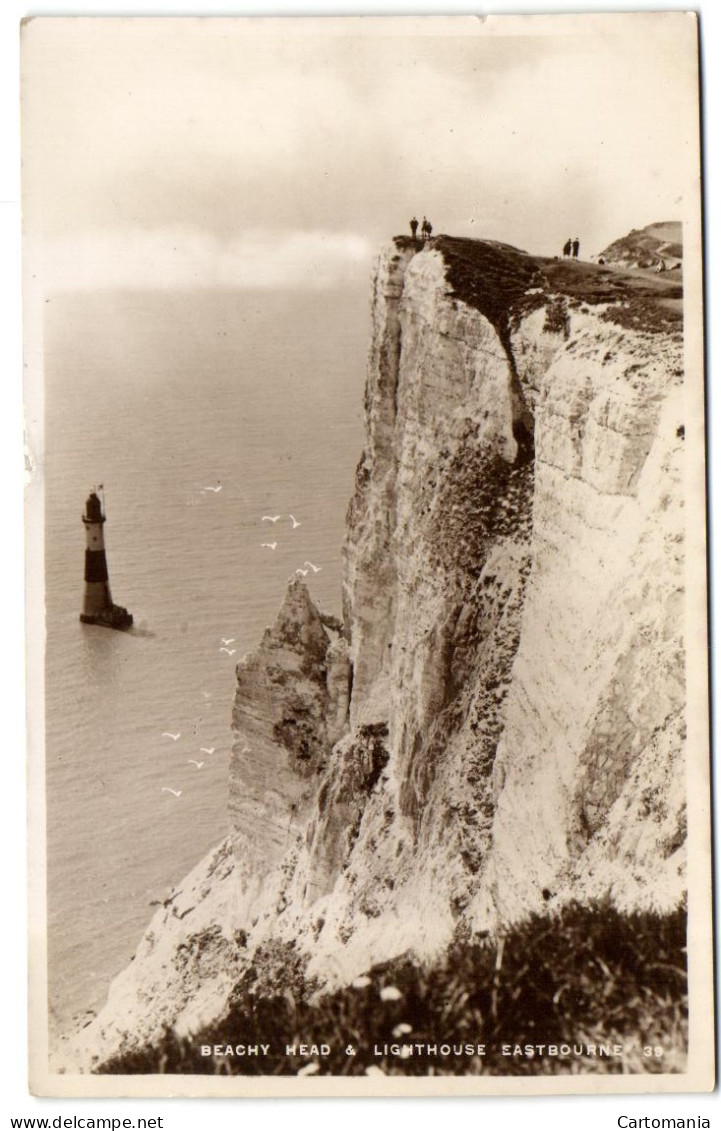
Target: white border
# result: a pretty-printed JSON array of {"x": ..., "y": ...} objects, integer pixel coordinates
[{"x": 594, "y": 1112}]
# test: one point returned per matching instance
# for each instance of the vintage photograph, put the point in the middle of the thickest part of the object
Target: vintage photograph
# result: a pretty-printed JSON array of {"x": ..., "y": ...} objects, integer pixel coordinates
[{"x": 368, "y": 687}]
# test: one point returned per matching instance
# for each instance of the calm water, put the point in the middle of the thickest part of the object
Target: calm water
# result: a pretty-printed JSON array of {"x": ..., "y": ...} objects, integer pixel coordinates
[{"x": 158, "y": 396}]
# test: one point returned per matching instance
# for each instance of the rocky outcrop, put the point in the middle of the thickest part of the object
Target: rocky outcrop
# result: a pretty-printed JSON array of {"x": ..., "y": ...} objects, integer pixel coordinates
[
  {"x": 285, "y": 706},
  {"x": 497, "y": 725}
]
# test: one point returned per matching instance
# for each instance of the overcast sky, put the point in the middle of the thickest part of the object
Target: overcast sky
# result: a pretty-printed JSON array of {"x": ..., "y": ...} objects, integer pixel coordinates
[{"x": 196, "y": 152}]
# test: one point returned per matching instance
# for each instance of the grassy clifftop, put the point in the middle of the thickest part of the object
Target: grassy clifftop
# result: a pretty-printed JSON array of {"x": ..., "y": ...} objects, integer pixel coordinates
[{"x": 505, "y": 283}]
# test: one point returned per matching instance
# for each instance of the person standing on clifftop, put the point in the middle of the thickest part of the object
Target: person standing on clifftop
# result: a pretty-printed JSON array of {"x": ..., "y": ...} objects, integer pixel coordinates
[
  {"x": 575, "y": 246},
  {"x": 414, "y": 228},
  {"x": 567, "y": 248}
]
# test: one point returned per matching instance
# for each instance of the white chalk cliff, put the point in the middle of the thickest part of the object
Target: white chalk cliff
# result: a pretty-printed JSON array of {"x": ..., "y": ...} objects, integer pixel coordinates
[{"x": 498, "y": 724}]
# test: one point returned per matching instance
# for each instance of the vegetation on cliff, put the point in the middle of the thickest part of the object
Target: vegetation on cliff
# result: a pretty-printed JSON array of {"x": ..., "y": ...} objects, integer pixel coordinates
[
  {"x": 505, "y": 284},
  {"x": 581, "y": 977}
]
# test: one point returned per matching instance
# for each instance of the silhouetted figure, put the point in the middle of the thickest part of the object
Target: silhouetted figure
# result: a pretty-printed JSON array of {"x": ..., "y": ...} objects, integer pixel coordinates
[
  {"x": 429, "y": 229},
  {"x": 414, "y": 228},
  {"x": 424, "y": 229},
  {"x": 574, "y": 247},
  {"x": 567, "y": 248}
]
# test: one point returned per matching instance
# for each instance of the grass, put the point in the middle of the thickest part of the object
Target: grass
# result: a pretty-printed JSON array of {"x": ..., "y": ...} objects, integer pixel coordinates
[
  {"x": 584, "y": 976},
  {"x": 496, "y": 279},
  {"x": 489, "y": 276},
  {"x": 633, "y": 300}
]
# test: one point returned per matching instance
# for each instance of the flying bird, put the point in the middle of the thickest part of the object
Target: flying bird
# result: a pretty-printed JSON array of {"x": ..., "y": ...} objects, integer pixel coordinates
[
  {"x": 270, "y": 518},
  {"x": 214, "y": 489},
  {"x": 270, "y": 545},
  {"x": 228, "y": 640},
  {"x": 198, "y": 764},
  {"x": 207, "y": 750},
  {"x": 294, "y": 521},
  {"x": 230, "y": 651},
  {"x": 316, "y": 569},
  {"x": 167, "y": 734},
  {"x": 175, "y": 792},
  {"x": 207, "y": 694},
  {"x": 303, "y": 571}
]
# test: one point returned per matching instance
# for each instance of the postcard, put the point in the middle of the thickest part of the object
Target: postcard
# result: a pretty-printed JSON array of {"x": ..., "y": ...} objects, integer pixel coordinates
[{"x": 368, "y": 684}]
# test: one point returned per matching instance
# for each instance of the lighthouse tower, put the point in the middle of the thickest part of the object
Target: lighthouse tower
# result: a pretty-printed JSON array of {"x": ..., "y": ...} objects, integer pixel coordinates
[{"x": 98, "y": 607}]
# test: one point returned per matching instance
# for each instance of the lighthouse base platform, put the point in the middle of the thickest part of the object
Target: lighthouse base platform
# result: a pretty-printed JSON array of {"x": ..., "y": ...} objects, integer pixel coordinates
[{"x": 114, "y": 617}]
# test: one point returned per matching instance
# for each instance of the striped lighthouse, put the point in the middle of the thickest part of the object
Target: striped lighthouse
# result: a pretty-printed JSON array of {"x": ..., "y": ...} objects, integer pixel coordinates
[{"x": 98, "y": 607}]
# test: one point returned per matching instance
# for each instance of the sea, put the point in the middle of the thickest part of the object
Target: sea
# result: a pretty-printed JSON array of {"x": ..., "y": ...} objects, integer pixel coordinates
[{"x": 159, "y": 397}]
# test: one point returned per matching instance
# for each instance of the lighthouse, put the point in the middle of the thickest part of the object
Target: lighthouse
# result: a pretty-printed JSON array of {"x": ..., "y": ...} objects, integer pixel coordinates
[{"x": 98, "y": 607}]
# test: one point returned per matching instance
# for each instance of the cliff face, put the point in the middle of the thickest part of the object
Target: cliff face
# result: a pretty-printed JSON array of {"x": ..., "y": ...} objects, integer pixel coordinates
[
  {"x": 589, "y": 771},
  {"x": 290, "y": 692},
  {"x": 499, "y": 726},
  {"x": 514, "y": 608}
]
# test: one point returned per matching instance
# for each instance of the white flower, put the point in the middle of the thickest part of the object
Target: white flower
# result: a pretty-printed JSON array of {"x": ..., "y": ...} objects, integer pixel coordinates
[
  {"x": 374, "y": 1070},
  {"x": 402, "y": 1029},
  {"x": 309, "y": 1069},
  {"x": 361, "y": 983},
  {"x": 391, "y": 993}
]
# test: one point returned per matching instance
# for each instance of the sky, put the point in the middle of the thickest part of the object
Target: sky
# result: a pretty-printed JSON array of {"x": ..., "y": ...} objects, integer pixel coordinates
[{"x": 198, "y": 152}]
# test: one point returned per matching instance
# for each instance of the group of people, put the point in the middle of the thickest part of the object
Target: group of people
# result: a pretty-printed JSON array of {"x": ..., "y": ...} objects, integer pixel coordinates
[
  {"x": 571, "y": 248},
  {"x": 426, "y": 229}
]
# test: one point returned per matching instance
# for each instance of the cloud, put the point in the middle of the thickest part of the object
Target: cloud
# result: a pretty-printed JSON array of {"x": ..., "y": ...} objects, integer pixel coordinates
[
  {"x": 179, "y": 257},
  {"x": 205, "y": 127}
]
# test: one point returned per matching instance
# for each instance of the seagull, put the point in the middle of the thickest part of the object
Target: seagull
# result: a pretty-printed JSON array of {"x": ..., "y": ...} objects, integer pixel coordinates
[
  {"x": 214, "y": 489},
  {"x": 175, "y": 792},
  {"x": 207, "y": 694},
  {"x": 294, "y": 521},
  {"x": 303, "y": 571},
  {"x": 270, "y": 545},
  {"x": 230, "y": 651},
  {"x": 167, "y": 734},
  {"x": 316, "y": 569},
  {"x": 270, "y": 518},
  {"x": 198, "y": 764},
  {"x": 207, "y": 750},
  {"x": 228, "y": 640}
]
